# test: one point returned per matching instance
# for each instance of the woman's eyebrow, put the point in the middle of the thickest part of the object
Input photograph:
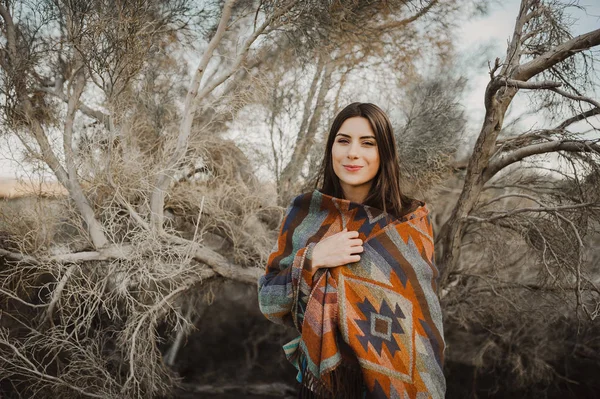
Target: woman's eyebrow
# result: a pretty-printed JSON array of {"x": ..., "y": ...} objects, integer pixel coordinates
[{"x": 361, "y": 137}]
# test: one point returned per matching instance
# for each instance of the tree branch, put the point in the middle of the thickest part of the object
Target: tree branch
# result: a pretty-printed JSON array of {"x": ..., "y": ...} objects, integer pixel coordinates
[
  {"x": 541, "y": 148},
  {"x": 303, "y": 144},
  {"x": 218, "y": 263},
  {"x": 68, "y": 178},
  {"x": 154, "y": 309},
  {"x": 500, "y": 81},
  {"x": 32, "y": 369},
  {"x": 310, "y": 97},
  {"x": 57, "y": 293},
  {"x": 157, "y": 199},
  {"x": 244, "y": 51},
  {"x": 11, "y": 36},
  {"x": 575, "y": 97},
  {"x": 93, "y": 226},
  {"x": 509, "y": 195},
  {"x": 557, "y": 54},
  {"x": 513, "y": 52},
  {"x": 85, "y": 109},
  {"x": 398, "y": 24},
  {"x": 18, "y": 257},
  {"x": 536, "y": 209},
  {"x": 164, "y": 179},
  {"x": 16, "y": 298},
  {"x": 578, "y": 117},
  {"x": 546, "y": 84}
]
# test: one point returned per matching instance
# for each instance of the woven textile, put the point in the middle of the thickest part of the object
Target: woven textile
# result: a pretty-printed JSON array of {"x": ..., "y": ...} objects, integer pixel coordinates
[{"x": 384, "y": 307}]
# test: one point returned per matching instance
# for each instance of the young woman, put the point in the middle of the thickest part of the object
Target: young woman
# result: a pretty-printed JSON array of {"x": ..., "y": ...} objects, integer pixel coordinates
[{"x": 353, "y": 271}]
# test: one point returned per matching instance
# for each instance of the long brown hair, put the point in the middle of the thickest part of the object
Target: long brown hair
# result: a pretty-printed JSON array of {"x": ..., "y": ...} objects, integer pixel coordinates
[{"x": 385, "y": 191}]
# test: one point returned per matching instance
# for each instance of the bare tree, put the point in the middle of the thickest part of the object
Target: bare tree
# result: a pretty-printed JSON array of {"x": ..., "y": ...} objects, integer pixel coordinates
[
  {"x": 516, "y": 251},
  {"x": 492, "y": 155}
]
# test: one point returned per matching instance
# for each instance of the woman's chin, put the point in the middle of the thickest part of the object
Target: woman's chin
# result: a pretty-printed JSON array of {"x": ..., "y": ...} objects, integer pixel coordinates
[{"x": 353, "y": 182}]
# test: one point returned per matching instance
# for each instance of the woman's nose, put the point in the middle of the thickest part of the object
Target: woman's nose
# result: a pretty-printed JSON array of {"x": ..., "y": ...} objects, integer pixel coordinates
[{"x": 353, "y": 151}]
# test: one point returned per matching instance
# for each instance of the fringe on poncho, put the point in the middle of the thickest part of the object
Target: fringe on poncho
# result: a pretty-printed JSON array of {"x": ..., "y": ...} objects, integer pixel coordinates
[{"x": 375, "y": 323}]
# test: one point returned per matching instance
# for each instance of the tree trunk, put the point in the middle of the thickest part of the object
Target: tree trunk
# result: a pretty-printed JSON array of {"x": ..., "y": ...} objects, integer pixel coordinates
[
  {"x": 451, "y": 232},
  {"x": 291, "y": 173}
]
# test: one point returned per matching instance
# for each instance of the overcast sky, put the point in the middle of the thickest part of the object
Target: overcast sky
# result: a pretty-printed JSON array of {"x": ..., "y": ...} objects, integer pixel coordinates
[{"x": 480, "y": 40}]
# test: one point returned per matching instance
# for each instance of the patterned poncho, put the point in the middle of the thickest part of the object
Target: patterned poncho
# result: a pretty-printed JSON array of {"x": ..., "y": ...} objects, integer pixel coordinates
[{"x": 384, "y": 307}]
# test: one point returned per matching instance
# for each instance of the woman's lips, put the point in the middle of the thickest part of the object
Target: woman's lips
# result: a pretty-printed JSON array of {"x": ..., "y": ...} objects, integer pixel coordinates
[{"x": 352, "y": 168}]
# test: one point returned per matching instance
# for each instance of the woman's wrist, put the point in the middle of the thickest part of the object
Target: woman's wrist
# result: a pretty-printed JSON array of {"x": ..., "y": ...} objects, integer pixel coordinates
[{"x": 315, "y": 259}]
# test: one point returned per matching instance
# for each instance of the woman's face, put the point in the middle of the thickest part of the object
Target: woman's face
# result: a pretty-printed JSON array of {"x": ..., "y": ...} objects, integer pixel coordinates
[{"x": 355, "y": 156}]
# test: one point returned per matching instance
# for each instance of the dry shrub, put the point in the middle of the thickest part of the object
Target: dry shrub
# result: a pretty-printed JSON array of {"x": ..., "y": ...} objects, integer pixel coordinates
[
  {"x": 513, "y": 309},
  {"x": 32, "y": 220},
  {"x": 90, "y": 329},
  {"x": 96, "y": 328},
  {"x": 430, "y": 133},
  {"x": 232, "y": 204},
  {"x": 515, "y": 335}
]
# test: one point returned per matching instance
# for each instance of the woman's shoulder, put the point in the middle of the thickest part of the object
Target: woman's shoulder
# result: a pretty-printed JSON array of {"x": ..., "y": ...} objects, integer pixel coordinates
[
  {"x": 412, "y": 207},
  {"x": 305, "y": 198},
  {"x": 301, "y": 200}
]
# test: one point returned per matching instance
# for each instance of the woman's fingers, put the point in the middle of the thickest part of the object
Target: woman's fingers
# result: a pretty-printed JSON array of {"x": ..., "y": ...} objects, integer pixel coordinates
[
  {"x": 343, "y": 248},
  {"x": 356, "y": 249},
  {"x": 355, "y": 242},
  {"x": 344, "y": 260},
  {"x": 352, "y": 234}
]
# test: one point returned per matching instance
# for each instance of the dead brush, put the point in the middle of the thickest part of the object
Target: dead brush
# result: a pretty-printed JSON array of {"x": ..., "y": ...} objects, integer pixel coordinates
[
  {"x": 229, "y": 201},
  {"x": 95, "y": 323},
  {"x": 33, "y": 219},
  {"x": 92, "y": 323}
]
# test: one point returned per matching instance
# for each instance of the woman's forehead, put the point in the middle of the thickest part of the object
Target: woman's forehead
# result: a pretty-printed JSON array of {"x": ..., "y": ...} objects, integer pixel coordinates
[{"x": 356, "y": 127}]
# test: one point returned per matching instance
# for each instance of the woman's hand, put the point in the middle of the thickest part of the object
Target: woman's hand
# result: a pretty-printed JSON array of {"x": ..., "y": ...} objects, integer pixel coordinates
[{"x": 336, "y": 250}]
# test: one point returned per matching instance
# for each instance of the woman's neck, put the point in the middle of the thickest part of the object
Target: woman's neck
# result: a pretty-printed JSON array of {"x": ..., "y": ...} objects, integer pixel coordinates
[{"x": 356, "y": 193}]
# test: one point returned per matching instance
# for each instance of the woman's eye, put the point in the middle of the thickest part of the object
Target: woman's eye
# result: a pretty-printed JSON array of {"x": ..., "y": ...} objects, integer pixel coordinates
[{"x": 368, "y": 143}]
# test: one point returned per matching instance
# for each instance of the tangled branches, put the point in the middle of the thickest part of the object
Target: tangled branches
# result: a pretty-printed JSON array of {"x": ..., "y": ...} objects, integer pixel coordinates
[{"x": 95, "y": 324}]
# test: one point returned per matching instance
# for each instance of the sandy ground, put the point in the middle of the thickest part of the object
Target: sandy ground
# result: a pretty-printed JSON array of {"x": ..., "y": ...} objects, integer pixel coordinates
[{"x": 13, "y": 188}]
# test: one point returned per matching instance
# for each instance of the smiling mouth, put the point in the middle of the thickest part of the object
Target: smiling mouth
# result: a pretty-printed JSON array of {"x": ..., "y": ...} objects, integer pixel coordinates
[{"x": 352, "y": 168}]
